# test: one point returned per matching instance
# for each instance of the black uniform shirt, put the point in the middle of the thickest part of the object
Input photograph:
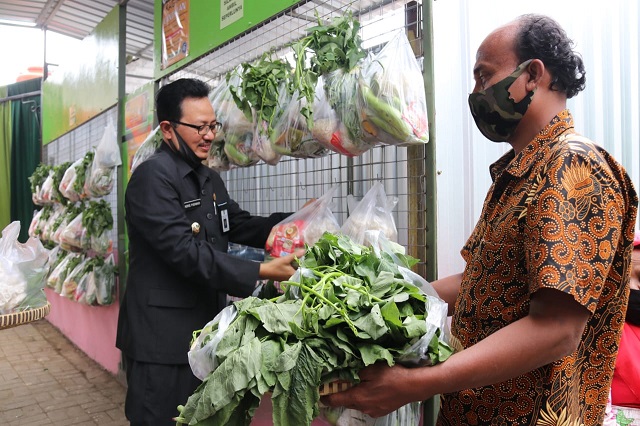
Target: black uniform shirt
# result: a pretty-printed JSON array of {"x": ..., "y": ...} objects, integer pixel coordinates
[{"x": 178, "y": 278}]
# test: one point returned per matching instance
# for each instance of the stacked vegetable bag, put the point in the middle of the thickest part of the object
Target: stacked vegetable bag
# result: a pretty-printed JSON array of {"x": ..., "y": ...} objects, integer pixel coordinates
[
  {"x": 347, "y": 306},
  {"x": 75, "y": 225}
]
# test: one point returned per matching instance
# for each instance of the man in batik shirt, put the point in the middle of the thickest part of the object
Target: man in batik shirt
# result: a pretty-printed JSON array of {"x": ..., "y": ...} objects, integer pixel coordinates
[{"x": 539, "y": 308}]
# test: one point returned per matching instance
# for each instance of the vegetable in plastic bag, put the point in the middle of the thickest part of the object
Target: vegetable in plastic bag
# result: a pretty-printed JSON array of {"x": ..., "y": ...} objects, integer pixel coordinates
[
  {"x": 392, "y": 95},
  {"x": 36, "y": 180},
  {"x": 147, "y": 148},
  {"x": 74, "y": 237},
  {"x": 105, "y": 282},
  {"x": 70, "y": 283},
  {"x": 72, "y": 185},
  {"x": 101, "y": 174},
  {"x": 306, "y": 226},
  {"x": 97, "y": 220},
  {"x": 22, "y": 271}
]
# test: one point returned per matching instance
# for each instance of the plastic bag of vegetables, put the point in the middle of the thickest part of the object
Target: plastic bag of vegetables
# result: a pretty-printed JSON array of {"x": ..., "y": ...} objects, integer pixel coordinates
[
  {"x": 392, "y": 95},
  {"x": 101, "y": 174},
  {"x": 36, "y": 180},
  {"x": 305, "y": 226},
  {"x": 23, "y": 267},
  {"x": 372, "y": 213},
  {"x": 72, "y": 185},
  {"x": 237, "y": 127},
  {"x": 105, "y": 281},
  {"x": 74, "y": 237},
  {"x": 70, "y": 283},
  {"x": 329, "y": 130},
  {"x": 290, "y": 134},
  {"x": 147, "y": 148}
]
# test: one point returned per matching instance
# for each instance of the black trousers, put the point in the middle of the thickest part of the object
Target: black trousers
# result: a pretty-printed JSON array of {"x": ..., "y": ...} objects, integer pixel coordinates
[{"x": 154, "y": 392}]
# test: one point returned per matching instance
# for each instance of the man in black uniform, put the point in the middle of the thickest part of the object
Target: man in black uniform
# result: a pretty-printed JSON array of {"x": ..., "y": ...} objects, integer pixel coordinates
[{"x": 180, "y": 219}]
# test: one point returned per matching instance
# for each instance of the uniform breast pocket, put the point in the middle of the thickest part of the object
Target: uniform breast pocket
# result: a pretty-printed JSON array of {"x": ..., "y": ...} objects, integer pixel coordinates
[{"x": 172, "y": 299}]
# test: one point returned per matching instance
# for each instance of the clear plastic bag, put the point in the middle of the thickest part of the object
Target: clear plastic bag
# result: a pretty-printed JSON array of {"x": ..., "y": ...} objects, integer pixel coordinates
[
  {"x": 392, "y": 95},
  {"x": 46, "y": 195},
  {"x": 373, "y": 212},
  {"x": 290, "y": 133},
  {"x": 105, "y": 282},
  {"x": 100, "y": 176},
  {"x": 238, "y": 129},
  {"x": 306, "y": 226},
  {"x": 407, "y": 415},
  {"x": 23, "y": 268},
  {"x": 329, "y": 130},
  {"x": 147, "y": 148},
  {"x": 70, "y": 283},
  {"x": 74, "y": 236},
  {"x": 72, "y": 184},
  {"x": 34, "y": 223},
  {"x": 203, "y": 347}
]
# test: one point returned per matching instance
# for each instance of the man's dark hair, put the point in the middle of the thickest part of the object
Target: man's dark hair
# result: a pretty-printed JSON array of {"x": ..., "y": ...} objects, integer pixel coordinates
[
  {"x": 540, "y": 37},
  {"x": 169, "y": 98}
]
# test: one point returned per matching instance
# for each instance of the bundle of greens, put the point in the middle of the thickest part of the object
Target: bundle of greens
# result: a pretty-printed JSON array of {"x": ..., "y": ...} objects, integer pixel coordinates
[
  {"x": 97, "y": 219},
  {"x": 58, "y": 172},
  {"x": 345, "y": 308},
  {"x": 36, "y": 180}
]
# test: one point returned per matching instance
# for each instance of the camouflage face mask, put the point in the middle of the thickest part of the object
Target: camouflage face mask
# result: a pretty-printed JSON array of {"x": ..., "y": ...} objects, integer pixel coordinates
[{"x": 495, "y": 113}]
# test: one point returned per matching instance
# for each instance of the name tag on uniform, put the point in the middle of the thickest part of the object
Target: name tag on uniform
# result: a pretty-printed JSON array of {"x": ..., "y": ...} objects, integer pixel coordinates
[
  {"x": 224, "y": 217},
  {"x": 192, "y": 204}
]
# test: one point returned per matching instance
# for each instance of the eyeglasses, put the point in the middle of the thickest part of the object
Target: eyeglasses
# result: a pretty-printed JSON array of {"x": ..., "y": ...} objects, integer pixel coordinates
[{"x": 203, "y": 129}]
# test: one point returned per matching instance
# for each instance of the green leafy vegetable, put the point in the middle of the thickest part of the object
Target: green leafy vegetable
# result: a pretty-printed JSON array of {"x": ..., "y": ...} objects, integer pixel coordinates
[
  {"x": 81, "y": 172},
  {"x": 38, "y": 177},
  {"x": 349, "y": 308},
  {"x": 97, "y": 218}
]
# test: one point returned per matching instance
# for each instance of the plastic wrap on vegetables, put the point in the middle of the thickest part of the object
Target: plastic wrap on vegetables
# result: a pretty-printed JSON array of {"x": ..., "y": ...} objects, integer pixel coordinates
[
  {"x": 392, "y": 94},
  {"x": 147, "y": 148},
  {"x": 290, "y": 134},
  {"x": 36, "y": 180},
  {"x": 305, "y": 226},
  {"x": 98, "y": 221},
  {"x": 74, "y": 237},
  {"x": 100, "y": 176},
  {"x": 72, "y": 184},
  {"x": 329, "y": 130},
  {"x": 72, "y": 279},
  {"x": 105, "y": 282},
  {"x": 34, "y": 223}
]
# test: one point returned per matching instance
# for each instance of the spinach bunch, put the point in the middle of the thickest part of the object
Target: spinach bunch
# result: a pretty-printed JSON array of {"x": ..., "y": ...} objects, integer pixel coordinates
[
  {"x": 81, "y": 172},
  {"x": 38, "y": 177},
  {"x": 349, "y": 308},
  {"x": 97, "y": 218}
]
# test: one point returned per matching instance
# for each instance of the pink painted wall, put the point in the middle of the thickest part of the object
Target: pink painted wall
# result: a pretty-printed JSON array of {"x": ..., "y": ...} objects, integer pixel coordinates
[{"x": 90, "y": 328}]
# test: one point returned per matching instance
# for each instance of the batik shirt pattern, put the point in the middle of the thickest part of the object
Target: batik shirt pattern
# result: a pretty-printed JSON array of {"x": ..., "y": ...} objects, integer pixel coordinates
[{"x": 558, "y": 215}]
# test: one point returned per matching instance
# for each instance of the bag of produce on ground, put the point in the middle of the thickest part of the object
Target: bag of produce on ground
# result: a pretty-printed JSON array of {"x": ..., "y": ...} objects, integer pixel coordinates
[
  {"x": 74, "y": 237},
  {"x": 373, "y": 212},
  {"x": 23, "y": 267},
  {"x": 98, "y": 221},
  {"x": 344, "y": 309},
  {"x": 36, "y": 180},
  {"x": 392, "y": 95},
  {"x": 305, "y": 226},
  {"x": 147, "y": 148},
  {"x": 101, "y": 174}
]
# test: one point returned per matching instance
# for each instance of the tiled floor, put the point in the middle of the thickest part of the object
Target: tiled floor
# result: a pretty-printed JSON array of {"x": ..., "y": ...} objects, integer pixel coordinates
[{"x": 46, "y": 380}]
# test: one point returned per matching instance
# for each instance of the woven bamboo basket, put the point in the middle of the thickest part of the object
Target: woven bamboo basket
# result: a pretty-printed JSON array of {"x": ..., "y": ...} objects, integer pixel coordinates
[{"x": 24, "y": 317}]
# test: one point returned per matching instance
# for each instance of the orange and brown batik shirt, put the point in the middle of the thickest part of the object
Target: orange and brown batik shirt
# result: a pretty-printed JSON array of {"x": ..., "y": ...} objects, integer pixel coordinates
[{"x": 559, "y": 215}]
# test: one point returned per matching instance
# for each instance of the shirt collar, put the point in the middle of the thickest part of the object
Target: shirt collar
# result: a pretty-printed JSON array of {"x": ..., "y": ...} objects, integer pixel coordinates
[
  {"x": 183, "y": 168},
  {"x": 536, "y": 150}
]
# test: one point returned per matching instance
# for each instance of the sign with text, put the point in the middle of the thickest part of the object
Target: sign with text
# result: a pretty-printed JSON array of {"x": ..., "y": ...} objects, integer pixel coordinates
[{"x": 230, "y": 11}]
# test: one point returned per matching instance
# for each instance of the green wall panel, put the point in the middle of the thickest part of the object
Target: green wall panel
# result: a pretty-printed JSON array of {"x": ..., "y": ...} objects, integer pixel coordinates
[
  {"x": 205, "y": 32},
  {"x": 86, "y": 86}
]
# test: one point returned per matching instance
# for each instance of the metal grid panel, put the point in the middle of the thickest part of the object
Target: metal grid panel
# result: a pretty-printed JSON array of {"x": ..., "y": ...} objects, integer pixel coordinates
[
  {"x": 263, "y": 189},
  {"x": 75, "y": 145}
]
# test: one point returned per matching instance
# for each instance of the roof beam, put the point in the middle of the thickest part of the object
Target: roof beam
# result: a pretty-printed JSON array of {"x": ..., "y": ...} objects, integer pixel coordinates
[{"x": 48, "y": 12}]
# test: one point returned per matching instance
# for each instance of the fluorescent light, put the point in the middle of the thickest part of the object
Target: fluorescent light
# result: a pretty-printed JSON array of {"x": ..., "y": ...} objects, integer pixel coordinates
[{"x": 17, "y": 23}]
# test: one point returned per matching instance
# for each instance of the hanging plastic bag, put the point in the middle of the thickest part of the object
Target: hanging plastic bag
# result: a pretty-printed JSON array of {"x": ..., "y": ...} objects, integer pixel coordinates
[
  {"x": 74, "y": 236},
  {"x": 70, "y": 283},
  {"x": 72, "y": 185},
  {"x": 147, "y": 148},
  {"x": 34, "y": 223},
  {"x": 205, "y": 342},
  {"x": 329, "y": 130},
  {"x": 105, "y": 282},
  {"x": 46, "y": 193},
  {"x": 238, "y": 129},
  {"x": 373, "y": 212},
  {"x": 100, "y": 180},
  {"x": 306, "y": 226},
  {"x": 217, "y": 159},
  {"x": 290, "y": 134},
  {"x": 22, "y": 271},
  {"x": 407, "y": 415},
  {"x": 392, "y": 95}
]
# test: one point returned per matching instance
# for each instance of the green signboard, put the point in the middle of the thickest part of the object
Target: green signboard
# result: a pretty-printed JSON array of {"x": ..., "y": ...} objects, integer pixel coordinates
[
  {"x": 199, "y": 26},
  {"x": 84, "y": 86}
]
